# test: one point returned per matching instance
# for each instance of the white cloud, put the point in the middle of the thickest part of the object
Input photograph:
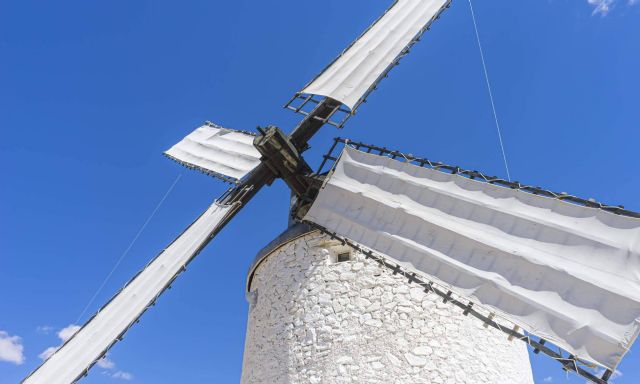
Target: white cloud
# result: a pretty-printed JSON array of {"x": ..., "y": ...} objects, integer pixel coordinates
[
  {"x": 110, "y": 369},
  {"x": 547, "y": 379},
  {"x": 11, "y": 349},
  {"x": 601, "y": 7},
  {"x": 66, "y": 333},
  {"x": 47, "y": 353},
  {"x": 122, "y": 375},
  {"x": 106, "y": 363},
  {"x": 44, "y": 329}
]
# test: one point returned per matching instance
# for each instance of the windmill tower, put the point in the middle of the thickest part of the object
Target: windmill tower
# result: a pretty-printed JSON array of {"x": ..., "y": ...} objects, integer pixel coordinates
[
  {"x": 321, "y": 312},
  {"x": 397, "y": 269}
]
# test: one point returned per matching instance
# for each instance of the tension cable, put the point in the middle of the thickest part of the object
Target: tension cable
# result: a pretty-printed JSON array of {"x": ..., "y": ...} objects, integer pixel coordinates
[
  {"x": 493, "y": 106},
  {"x": 126, "y": 251}
]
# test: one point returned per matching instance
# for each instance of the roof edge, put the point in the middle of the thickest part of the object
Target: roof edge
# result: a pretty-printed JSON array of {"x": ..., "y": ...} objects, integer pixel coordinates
[{"x": 290, "y": 234}]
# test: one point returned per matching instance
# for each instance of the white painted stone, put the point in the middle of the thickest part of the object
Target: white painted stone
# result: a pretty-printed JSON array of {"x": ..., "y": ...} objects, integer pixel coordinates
[
  {"x": 417, "y": 294},
  {"x": 393, "y": 359},
  {"x": 415, "y": 361},
  {"x": 313, "y": 320},
  {"x": 374, "y": 323},
  {"x": 362, "y": 302},
  {"x": 357, "y": 266},
  {"x": 422, "y": 351},
  {"x": 344, "y": 360},
  {"x": 373, "y": 307}
]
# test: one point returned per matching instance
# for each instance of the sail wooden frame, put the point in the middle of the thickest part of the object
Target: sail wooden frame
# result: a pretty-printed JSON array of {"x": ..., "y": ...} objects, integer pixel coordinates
[
  {"x": 224, "y": 153},
  {"x": 356, "y": 72}
]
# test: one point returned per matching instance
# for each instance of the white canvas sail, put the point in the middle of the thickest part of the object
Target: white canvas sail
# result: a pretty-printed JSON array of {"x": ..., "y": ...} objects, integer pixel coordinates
[
  {"x": 567, "y": 273},
  {"x": 361, "y": 65},
  {"x": 217, "y": 151}
]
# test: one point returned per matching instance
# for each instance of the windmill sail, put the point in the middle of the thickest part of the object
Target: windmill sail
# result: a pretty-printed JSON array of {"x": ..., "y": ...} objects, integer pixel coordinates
[
  {"x": 351, "y": 76},
  {"x": 564, "y": 272},
  {"x": 221, "y": 152},
  {"x": 92, "y": 341}
]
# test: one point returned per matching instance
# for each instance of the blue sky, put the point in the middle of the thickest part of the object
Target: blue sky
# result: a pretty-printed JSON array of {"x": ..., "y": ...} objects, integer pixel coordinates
[{"x": 91, "y": 93}]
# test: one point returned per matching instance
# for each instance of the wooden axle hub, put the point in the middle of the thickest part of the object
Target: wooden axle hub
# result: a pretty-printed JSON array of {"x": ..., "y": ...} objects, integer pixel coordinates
[{"x": 283, "y": 159}]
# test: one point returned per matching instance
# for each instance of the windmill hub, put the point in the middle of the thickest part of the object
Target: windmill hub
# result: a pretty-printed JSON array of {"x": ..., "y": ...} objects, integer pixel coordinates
[{"x": 283, "y": 159}]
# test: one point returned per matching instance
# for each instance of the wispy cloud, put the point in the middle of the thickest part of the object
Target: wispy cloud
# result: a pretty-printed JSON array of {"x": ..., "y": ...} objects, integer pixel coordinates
[
  {"x": 547, "y": 379},
  {"x": 11, "y": 349},
  {"x": 106, "y": 363},
  {"x": 44, "y": 329},
  {"x": 66, "y": 333},
  {"x": 122, "y": 375},
  {"x": 47, "y": 353},
  {"x": 602, "y": 7},
  {"x": 110, "y": 369}
]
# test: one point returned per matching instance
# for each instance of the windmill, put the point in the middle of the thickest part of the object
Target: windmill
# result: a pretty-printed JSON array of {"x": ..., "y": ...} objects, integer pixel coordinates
[{"x": 561, "y": 269}]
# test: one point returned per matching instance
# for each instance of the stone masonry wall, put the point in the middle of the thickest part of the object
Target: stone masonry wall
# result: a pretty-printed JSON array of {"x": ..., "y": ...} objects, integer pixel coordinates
[{"x": 314, "y": 320}]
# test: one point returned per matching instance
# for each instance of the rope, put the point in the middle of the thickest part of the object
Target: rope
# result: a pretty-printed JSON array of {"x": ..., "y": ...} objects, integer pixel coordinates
[
  {"x": 126, "y": 251},
  {"x": 493, "y": 106}
]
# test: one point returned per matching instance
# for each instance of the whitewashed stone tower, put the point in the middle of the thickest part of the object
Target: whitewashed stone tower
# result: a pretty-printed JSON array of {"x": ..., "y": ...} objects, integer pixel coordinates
[{"x": 315, "y": 318}]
